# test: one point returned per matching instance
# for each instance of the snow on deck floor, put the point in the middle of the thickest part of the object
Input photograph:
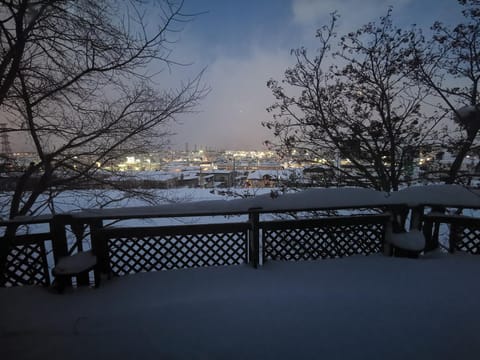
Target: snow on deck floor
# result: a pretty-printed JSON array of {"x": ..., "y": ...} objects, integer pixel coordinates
[{"x": 353, "y": 308}]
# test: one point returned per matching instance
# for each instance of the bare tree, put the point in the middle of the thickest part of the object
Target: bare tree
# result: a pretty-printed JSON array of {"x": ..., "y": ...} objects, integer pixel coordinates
[
  {"x": 449, "y": 64},
  {"x": 75, "y": 80},
  {"x": 365, "y": 109},
  {"x": 78, "y": 79}
]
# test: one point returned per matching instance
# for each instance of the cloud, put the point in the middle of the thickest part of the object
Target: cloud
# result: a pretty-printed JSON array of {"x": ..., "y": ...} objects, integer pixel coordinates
[
  {"x": 231, "y": 115},
  {"x": 354, "y": 13}
]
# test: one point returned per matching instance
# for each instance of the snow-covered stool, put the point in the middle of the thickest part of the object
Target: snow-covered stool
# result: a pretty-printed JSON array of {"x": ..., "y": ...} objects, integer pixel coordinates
[
  {"x": 408, "y": 244},
  {"x": 75, "y": 265}
]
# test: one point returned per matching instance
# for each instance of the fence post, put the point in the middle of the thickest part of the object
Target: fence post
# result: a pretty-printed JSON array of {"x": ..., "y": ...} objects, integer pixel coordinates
[
  {"x": 254, "y": 236},
  {"x": 436, "y": 231},
  {"x": 59, "y": 238},
  {"x": 6, "y": 242},
  {"x": 100, "y": 246},
  {"x": 78, "y": 230},
  {"x": 416, "y": 218},
  {"x": 387, "y": 235},
  {"x": 431, "y": 230},
  {"x": 454, "y": 236}
]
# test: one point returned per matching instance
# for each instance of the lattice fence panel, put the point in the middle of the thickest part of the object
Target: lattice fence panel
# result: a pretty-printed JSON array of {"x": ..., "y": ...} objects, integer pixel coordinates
[
  {"x": 468, "y": 239},
  {"x": 175, "y": 251},
  {"x": 332, "y": 241},
  {"x": 27, "y": 265}
]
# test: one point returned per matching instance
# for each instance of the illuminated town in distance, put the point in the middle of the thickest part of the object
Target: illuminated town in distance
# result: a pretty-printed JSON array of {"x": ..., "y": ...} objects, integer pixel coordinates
[{"x": 206, "y": 168}]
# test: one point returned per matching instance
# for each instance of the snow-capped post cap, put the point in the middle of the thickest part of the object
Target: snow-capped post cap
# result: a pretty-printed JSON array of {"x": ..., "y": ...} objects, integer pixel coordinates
[{"x": 469, "y": 116}]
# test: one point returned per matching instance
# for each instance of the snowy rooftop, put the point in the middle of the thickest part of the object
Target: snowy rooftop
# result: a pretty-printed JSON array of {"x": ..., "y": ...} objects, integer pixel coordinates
[{"x": 371, "y": 307}]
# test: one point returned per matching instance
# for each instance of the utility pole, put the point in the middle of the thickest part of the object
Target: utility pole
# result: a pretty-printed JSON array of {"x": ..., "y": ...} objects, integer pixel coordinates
[{"x": 6, "y": 148}]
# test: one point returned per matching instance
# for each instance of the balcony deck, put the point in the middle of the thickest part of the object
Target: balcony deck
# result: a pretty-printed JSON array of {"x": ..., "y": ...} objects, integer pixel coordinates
[{"x": 370, "y": 307}]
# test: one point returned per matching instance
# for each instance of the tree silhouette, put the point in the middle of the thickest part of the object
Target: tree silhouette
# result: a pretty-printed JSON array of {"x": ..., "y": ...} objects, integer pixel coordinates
[
  {"x": 77, "y": 81},
  {"x": 449, "y": 64},
  {"x": 364, "y": 109}
]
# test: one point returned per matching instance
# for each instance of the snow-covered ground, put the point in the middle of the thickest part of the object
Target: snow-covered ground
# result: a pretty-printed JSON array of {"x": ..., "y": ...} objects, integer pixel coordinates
[
  {"x": 352, "y": 308},
  {"x": 358, "y": 307},
  {"x": 86, "y": 199}
]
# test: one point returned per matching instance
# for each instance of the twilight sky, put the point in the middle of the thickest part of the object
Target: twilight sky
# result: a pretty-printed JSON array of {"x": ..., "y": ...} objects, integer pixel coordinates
[{"x": 243, "y": 43}]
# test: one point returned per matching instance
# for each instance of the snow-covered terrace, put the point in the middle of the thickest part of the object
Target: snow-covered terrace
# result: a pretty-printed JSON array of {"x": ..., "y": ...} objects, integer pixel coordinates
[
  {"x": 364, "y": 307},
  {"x": 352, "y": 308}
]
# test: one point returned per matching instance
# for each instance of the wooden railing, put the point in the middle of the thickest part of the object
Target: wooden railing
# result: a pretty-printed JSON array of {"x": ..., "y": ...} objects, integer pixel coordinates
[
  {"x": 464, "y": 231},
  {"x": 137, "y": 249},
  {"x": 127, "y": 250},
  {"x": 27, "y": 261},
  {"x": 323, "y": 238}
]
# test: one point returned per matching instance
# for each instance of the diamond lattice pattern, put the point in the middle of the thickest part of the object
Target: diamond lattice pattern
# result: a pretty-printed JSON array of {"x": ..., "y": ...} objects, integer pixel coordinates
[
  {"x": 166, "y": 252},
  {"x": 322, "y": 242},
  {"x": 469, "y": 240},
  {"x": 27, "y": 265}
]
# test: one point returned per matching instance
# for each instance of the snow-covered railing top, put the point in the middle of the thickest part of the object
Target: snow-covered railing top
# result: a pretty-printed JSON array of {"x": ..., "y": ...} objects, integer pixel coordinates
[
  {"x": 454, "y": 196},
  {"x": 28, "y": 220}
]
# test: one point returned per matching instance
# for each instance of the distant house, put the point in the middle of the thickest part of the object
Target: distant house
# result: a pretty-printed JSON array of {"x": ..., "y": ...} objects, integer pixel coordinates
[
  {"x": 269, "y": 178},
  {"x": 146, "y": 179},
  {"x": 158, "y": 180},
  {"x": 240, "y": 180},
  {"x": 259, "y": 179},
  {"x": 206, "y": 180},
  {"x": 219, "y": 178},
  {"x": 188, "y": 179}
]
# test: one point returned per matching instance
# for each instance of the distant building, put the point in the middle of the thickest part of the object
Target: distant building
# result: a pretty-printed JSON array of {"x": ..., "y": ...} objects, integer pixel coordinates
[
  {"x": 218, "y": 178},
  {"x": 191, "y": 180},
  {"x": 269, "y": 178}
]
